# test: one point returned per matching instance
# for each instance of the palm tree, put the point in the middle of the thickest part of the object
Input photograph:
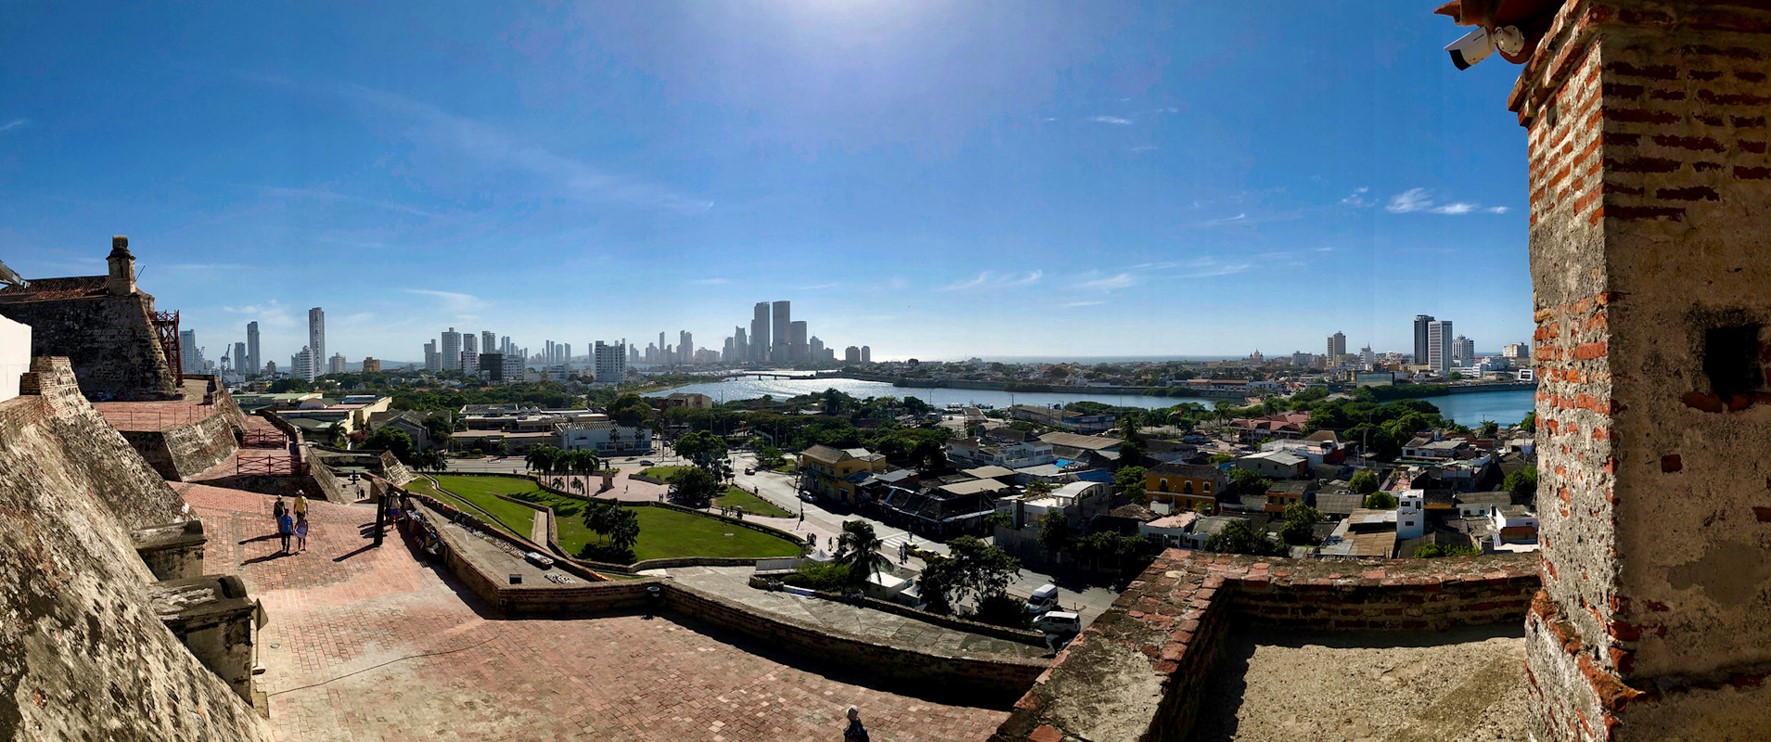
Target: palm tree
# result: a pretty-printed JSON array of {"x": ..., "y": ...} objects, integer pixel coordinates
[{"x": 858, "y": 549}]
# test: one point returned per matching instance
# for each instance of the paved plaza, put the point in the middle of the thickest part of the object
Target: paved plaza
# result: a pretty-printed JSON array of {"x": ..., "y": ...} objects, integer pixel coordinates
[{"x": 372, "y": 644}]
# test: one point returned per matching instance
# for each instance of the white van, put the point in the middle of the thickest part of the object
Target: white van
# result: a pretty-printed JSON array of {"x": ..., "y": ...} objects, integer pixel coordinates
[
  {"x": 1044, "y": 599},
  {"x": 1059, "y": 622}
]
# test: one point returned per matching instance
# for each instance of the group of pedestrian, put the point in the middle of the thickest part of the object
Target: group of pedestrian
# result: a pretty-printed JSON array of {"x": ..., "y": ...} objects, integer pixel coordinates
[{"x": 292, "y": 522}]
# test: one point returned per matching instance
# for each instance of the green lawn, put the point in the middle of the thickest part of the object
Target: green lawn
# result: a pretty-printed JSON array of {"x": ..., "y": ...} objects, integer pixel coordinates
[
  {"x": 753, "y": 505},
  {"x": 483, "y": 491},
  {"x": 663, "y": 532},
  {"x": 661, "y": 473}
]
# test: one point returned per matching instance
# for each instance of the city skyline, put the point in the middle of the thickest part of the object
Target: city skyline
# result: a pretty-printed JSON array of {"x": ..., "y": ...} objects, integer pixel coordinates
[{"x": 1078, "y": 187}]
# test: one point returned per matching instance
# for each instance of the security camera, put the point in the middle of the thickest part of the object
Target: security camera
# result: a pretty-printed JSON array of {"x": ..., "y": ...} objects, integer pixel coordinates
[
  {"x": 1477, "y": 45},
  {"x": 1474, "y": 47}
]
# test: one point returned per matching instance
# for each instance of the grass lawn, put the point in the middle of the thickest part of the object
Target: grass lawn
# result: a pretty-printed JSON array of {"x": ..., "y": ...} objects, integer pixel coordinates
[
  {"x": 662, "y": 473},
  {"x": 663, "y": 532},
  {"x": 753, "y": 505},
  {"x": 483, "y": 491}
]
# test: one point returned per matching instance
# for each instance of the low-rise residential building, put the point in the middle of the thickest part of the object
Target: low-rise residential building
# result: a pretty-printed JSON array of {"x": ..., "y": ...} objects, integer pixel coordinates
[
  {"x": 1075, "y": 447},
  {"x": 831, "y": 472},
  {"x": 604, "y": 437},
  {"x": 1512, "y": 528},
  {"x": 1286, "y": 492},
  {"x": 1184, "y": 487},
  {"x": 1170, "y": 530},
  {"x": 1063, "y": 419},
  {"x": 1275, "y": 464},
  {"x": 410, "y": 422},
  {"x": 1013, "y": 455},
  {"x": 1423, "y": 447}
]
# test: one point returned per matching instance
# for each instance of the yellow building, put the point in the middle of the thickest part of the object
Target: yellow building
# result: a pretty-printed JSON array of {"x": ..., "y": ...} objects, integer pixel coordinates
[
  {"x": 1185, "y": 487},
  {"x": 837, "y": 473}
]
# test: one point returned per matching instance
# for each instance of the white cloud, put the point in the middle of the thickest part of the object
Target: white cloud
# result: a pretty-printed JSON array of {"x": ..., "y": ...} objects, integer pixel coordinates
[
  {"x": 1118, "y": 281},
  {"x": 1142, "y": 148},
  {"x": 10, "y": 125},
  {"x": 1358, "y": 198},
  {"x": 1226, "y": 220},
  {"x": 452, "y": 301},
  {"x": 818, "y": 286},
  {"x": 1114, "y": 120},
  {"x": 710, "y": 281},
  {"x": 1420, "y": 199},
  {"x": 1084, "y": 303},
  {"x": 269, "y": 314},
  {"x": 1413, "y": 199},
  {"x": 992, "y": 279}
]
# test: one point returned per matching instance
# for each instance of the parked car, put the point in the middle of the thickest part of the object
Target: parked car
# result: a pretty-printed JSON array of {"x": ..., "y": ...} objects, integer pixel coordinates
[
  {"x": 1063, "y": 623},
  {"x": 1044, "y": 599},
  {"x": 749, "y": 470},
  {"x": 647, "y": 463}
]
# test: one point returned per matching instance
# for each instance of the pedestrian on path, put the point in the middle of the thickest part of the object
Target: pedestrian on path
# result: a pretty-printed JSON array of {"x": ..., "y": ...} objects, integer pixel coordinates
[
  {"x": 278, "y": 509},
  {"x": 855, "y": 732},
  {"x": 300, "y": 504},
  {"x": 301, "y": 532},
  {"x": 285, "y": 528}
]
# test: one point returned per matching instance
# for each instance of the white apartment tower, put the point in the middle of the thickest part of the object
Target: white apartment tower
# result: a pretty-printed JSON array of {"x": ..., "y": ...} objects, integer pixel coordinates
[
  {"x": 254, "y": 362},
  {"x": 1439, "y": 336},
  {"x": 610, "y": 362},
  {"x": 316, "y": 335},
  {"x": 451, "y": 350}
]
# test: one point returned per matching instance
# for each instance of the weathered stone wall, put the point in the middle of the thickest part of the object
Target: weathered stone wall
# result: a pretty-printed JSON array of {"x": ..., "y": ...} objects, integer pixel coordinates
[
  {"x": 1135, "y": 672},
  {"x": 1650, "y": 174},
  {"x": 82, "y": 653},
  {"x": 181, "y": 452},
  {"x": 109, "y": 339}
]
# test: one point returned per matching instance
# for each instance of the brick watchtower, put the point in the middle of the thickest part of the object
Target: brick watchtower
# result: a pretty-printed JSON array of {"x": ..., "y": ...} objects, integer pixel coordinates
[{"x": 1651, "y": 263}]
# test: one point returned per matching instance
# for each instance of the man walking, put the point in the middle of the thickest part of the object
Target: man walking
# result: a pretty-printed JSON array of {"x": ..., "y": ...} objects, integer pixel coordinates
[
  {"x": 300, "y": 504},
  {"x": 855, "y": 732},
  {"x": 285, "y": 528}
]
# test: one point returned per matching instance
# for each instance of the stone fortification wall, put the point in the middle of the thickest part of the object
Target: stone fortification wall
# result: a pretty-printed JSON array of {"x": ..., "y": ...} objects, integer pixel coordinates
[
  {"x": 82, "y": 653},
  {"x": 110, "y": 341},
  {"x": 181, "y": 452},
  {"x": 1135, "y": 673}
]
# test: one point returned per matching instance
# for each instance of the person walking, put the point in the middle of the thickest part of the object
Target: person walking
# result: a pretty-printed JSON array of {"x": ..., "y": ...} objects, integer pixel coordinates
[
  {"x": 301, "y": 532},
  {"x": 277, "y": 510},
  {"x": 855, "y": 732},
  {"x": 285, "y": 528},
  {"x": 300, "y": 504}
]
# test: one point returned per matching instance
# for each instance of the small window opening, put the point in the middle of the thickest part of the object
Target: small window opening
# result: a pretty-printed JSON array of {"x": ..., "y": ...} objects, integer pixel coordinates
[{"x": 1731, "y": 360}]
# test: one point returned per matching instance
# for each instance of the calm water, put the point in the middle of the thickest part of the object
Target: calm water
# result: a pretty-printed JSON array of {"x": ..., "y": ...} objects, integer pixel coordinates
[
  {"x": 1467, "y": 409},
  {"x": 751, "y": 388},
  {"x": 1506, "y": 408}
]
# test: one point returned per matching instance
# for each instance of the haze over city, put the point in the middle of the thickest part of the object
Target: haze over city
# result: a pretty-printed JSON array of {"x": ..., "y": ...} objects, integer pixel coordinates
[{"x": 931, "y": 179}]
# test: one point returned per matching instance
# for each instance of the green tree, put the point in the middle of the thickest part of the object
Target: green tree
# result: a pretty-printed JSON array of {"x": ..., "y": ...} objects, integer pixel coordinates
[
  {"x": 286, "y": 386},
  {"x": 440, "y": 430},
  {"x": 1054, "y": 532},
  {"x": 1380, "y": 501},
  {"x": 392, "y": 440},
  {"x": 1300, "y": 523},
  {"x": 1363, "y": 482},
  {"x": 1529, "y": 424},
  {"x": 1240, "y": 538},
  {"x": 1249, "y": 482},
  {"x": 858, "y": 550},
  {"x": 1488, "y": 429},
  {"x": 1128, "y": 482},
  {"x": 1522, "y": 484},
  {"x": 972, "y": 569},
  {"x": 693, "y": 487},
  {"x": 701, "y": 447},
  {"x": 617, "y": 528}
]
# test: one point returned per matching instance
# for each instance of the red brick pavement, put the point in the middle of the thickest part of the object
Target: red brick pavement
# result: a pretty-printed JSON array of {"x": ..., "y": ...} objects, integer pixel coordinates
[{"x": 373, "y": 645}]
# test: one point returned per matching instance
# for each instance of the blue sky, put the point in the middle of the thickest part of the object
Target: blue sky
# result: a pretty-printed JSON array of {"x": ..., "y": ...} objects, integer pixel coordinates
[{"x": 931, "y": 178}]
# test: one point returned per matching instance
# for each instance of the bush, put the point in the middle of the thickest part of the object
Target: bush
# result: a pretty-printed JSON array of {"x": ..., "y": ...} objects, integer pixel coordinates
[
  {"x": 1001, "y": 610},
  {"x": 827, "y": 577},
  {"x": 607, "y": 553}
]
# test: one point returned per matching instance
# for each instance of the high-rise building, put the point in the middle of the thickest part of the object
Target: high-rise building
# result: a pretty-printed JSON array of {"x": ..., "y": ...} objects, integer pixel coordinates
[
  {"x": 241, "y": 361},
  {"x": 740, "y": 346},
  {"x": 1516, "y": 351},
  {"x": 633, "y": 354},
  {"x": 190, "y": 356},
  {"x": 866, "y": 354},
  {"x": 255, "y": 364},
  {"x": 816, "y": 348},
  {"x": 316, "y": 335},
  {"x": 433, "y": 359},
  {"x": 759, "y": 333},
  {"x": 851, "y": 354},
  {"x": 782, "y": 333},
  {"x": 491, "y": 366},
  {"x": 685, "y": 347},
  {"x": 1367, "y": 359},
  {"x": 1463, "y": 350},
  {"x": 451, "y": 350},
  {"x": 514, "y": 366},
  {"x": 303, "y": 365},
  {"x": 798, "y": 348},
  {"x": 470, "y": 344},
  {"x": 470, "y": 361},
  {"x": 609, "y": 362},
  {"x": 488, "y": 341},
  {"x": 371, "y": 365},
  {"x": 1439, "y": 335},
  {"x": 1337, "y": 347},
  {"x": 1421, "y": 347},
  {"x": 335, "y": 364}
]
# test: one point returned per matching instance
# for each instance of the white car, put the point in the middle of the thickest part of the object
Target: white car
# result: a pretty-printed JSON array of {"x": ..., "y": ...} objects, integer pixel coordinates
[{"x": 1059, "y": 622}]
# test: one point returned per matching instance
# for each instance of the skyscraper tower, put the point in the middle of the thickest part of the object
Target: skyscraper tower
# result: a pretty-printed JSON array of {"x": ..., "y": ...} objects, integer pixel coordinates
[
  {"x": 469, "y": 343},
  {"x": 1439, "y": 346},
  {"x": 241, "y": 361},
  {"x": 866, "y": 354},
  {"x": 256, "y": 363},
  {"x": 782, "y": 349},
  {"x": 798, "y": 349},
  {"x": 488, "y": 341},
  {"x": 1421, "y": 351},
  {"x": 451, "y": 350},
  {"x": 316, "y": 336},
  {"x": 685, "y": 349},
  {"x": 740, "y": 346},
  {"x": 1337, "y": 347},
  {"x": 759, "y": 333}
]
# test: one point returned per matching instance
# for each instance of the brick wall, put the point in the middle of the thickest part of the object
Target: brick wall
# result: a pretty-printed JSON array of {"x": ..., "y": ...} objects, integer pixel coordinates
[
  {"x": 184, "y": 451},
  {"x": 109, "y": 340},
  {"x": 1135, "y": 672}
]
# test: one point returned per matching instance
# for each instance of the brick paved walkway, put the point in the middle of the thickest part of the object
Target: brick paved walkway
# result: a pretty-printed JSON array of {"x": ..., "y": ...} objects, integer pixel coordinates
[{"x": 369, "y": 644}]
